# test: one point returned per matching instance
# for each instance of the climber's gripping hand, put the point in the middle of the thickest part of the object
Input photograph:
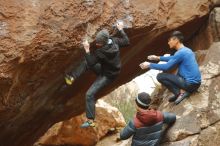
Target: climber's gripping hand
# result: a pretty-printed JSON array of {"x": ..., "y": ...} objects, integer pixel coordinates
[{"x": 120, "y": 25}]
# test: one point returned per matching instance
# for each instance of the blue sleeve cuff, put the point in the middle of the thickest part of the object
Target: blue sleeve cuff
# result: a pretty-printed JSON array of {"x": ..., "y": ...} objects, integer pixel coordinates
[
  {"x": 161, "y": 57},
  {"x": 151, "y": 66}
]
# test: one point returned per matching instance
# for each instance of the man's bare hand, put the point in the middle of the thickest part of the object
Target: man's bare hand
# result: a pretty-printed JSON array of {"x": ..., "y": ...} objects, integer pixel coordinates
[
  {"x": 153, "y": 57},
  {"x": 120, "y": 25},
  {"x": 144, "y": 65},
  {"x": 86, "y": 46}
]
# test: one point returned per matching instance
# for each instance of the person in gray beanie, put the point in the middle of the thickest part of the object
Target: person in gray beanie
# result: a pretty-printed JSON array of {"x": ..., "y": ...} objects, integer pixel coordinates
[
  {"x": 146, "y": 126},
  {"x": 102, "y": 37},
  {"x": 105, "y": 62}
]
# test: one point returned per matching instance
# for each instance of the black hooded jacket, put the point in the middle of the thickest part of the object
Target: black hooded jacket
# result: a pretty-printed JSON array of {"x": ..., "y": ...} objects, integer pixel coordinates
[{"x": 109, "y": 56}]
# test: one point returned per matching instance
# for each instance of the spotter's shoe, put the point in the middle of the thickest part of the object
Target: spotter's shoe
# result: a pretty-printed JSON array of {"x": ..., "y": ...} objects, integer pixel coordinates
[
  {"x": 172, "y": 98},
  {"x": 181, "y": 97}
]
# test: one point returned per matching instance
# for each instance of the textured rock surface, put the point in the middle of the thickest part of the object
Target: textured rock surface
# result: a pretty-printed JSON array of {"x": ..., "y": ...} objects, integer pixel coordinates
[
  {"x": 215, "y": 23},
  {"x": 210, "y": 136},
  {"x": 110, "y": 141},
  {"x": 40, "y": 40},
  {"x": 69, "y": 132}
]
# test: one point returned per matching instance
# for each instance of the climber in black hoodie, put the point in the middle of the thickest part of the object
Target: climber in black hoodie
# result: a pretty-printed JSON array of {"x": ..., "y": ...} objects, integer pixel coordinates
[
  {"x": 105, "y": 62},
  {"x": 146, "y": 126}
]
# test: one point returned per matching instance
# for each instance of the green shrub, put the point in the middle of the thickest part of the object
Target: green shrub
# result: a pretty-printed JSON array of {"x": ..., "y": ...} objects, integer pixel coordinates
[{"x": 126, "y": 107}]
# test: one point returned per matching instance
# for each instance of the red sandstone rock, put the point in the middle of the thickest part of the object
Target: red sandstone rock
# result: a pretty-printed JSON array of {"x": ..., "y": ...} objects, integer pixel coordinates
[{"x": 69, "y": 132}]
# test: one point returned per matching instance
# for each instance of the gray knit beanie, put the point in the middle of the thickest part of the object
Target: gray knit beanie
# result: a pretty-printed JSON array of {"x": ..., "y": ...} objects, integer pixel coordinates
[
  {"x": 102, "y": 36},
  {"x": 143, "y": 100}
]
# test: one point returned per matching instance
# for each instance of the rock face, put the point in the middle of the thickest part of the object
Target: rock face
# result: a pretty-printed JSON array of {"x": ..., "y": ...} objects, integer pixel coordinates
[
  {"x": 110, "y": 141},
  {"x": 68, "y": 132},
  {"x": 40, "y": 40}
]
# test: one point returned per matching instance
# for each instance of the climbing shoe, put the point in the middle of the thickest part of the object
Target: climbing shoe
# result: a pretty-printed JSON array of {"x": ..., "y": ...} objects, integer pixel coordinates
[
  {"x": 181, "y": 97},
  {"x": 69, "y": 80},
  {"x": 88, "y": 124}
]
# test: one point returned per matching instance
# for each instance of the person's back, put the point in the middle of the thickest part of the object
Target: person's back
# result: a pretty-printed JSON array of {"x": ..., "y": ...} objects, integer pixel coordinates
[
  {"x": 146, "y": 127},
  {"x": 148, "y": 136},
  {"x": 188, "y": 67},
  {"x": 109, "y": 55}
]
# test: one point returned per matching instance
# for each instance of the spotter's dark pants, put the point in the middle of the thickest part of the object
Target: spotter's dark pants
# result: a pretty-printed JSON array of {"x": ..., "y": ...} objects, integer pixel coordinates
[{"x": 174, "y": 83}]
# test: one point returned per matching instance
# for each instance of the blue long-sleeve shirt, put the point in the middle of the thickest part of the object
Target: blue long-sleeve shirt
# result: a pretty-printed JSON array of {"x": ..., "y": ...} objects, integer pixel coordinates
[{"x": 187, "y": 65}]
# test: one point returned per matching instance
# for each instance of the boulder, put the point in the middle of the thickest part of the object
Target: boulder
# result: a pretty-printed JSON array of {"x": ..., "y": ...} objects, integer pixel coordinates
[{"x": 69, "y": 132}]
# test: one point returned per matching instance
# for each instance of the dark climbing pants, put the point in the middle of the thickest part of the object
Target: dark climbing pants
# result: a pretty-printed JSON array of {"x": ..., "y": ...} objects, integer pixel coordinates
[
  {"x": 83, "y": 67},
  {"x": 174, "y": 83},
  {"x": 98, "y": 84}
]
